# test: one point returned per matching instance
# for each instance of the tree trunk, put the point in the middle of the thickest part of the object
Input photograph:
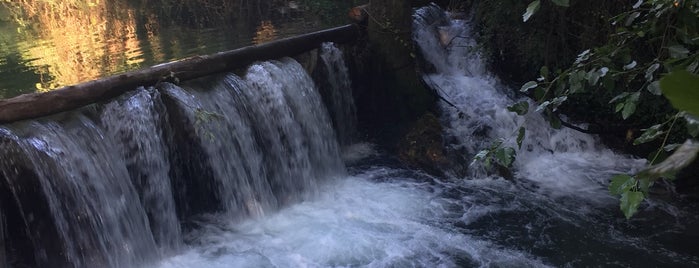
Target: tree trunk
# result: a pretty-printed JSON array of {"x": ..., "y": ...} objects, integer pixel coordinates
[{"x": 35, "y": 105}]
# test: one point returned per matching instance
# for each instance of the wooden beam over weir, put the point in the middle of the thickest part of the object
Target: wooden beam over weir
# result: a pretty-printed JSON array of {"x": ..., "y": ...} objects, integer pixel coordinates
[{"x": 35, "y": 105}]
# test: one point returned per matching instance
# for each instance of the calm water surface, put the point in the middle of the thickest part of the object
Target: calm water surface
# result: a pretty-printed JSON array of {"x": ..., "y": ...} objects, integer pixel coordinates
[{"x": 45, "y": 45}]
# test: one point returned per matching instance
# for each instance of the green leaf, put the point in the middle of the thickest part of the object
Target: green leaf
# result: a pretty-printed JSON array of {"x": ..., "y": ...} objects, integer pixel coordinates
[
  {"x": 554, "y": 121},
  {"x": 620, "y": 96},
  {"x": 654, "y": 88},
  {"x": 521, "y": 108},
  {"x": 629, "y": 109},
  {"x": 649, "y": 134},
  {"x": 544, "y": 72},
  {"x": 678, "y": 51},
  {"x": 619, "y": 107},
  {"x": 520, "y": 136},
  {"x": 651, "y": 70},
  {"x": 637, "y": 4},
  {"x": 531, "y": 10},
  {"x": 480, "y": 156},
  {"x": 631, "y": 18},
  {"x": 682, "y": 89},
  {"x": 629, "y": 202},
  {"x": 621, "y": 183},
  {"x": 562, "y": 3},
  {"x": 583, "y": 56},
  {"x": 592, "y": 77},
  {"x": 557, "y": 101},
  {"x": 644, "y": 184},
  {"x": 631, "y": 65},
  {"x": 505, "y": 156},
  {"x": 630, "y": 105},
  {"x": 576, "y": 81},
  {"x": 528, "y": 85},
  {"x": 692, "y": 125}
]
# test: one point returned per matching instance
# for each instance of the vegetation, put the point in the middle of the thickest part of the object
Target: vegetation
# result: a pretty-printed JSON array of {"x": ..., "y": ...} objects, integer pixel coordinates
[{"x": 629, "y": 60}]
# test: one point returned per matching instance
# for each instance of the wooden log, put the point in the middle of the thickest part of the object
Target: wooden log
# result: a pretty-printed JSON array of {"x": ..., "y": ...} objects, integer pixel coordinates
[{"x": 35, "y": 105}]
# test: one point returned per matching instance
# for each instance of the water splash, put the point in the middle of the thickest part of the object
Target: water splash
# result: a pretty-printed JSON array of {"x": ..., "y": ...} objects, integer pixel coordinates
[{"x": 480, "y": 116}]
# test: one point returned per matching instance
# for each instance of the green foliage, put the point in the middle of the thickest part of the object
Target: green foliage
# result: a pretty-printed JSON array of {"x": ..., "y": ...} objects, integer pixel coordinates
[
  {"x": 496, "y": 154},
  {"x": 682, "y": 89},
  {"x": 521, "y": 108},
  {"x": 652, "y": 51}
]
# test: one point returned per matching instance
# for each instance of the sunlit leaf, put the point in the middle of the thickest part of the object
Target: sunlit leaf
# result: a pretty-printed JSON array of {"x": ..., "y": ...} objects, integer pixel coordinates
[
  {"x": 531, "y": 10},
  {"x": 631, "y": 65},
  {"x": 528, "y": 85},
  {"x": 637, "y": 4},
  {"x": 649, "y": 134},
  {"x": 629, "y": 202},
  {"x": 682, "y": 89}
]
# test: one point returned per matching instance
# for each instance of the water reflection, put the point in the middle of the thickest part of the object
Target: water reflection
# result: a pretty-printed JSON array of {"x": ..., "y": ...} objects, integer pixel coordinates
[
  {"x": 46, "y": 44},
  {"x": 265, "y": 32}
]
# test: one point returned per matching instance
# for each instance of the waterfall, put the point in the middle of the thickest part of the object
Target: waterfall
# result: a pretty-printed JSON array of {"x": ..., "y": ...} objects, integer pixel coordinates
[
  {"x": 479, "y": 115},
  {"x": 134, "y": 123},
  {"x": 72, "y": 190},
  {"x": 338, "y": 90},
  {"x": 120, "y": 184}
]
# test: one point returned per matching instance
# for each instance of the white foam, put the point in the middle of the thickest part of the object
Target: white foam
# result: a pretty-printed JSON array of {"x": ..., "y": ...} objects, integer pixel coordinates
[{"x": 355, "y": 222}]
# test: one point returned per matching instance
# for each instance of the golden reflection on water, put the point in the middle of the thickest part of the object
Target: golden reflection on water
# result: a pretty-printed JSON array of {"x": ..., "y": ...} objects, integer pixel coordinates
[
  {"x": 72, "y": 41},
  {"x": 265, "y": 32},
  {"x": 47, "y": 44}
]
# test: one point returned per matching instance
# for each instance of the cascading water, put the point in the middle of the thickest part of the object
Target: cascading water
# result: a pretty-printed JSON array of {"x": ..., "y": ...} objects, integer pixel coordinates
[
  {"x": 76, "y": 210},
  {"x": 339, "y": 92},
  {"x": 232, "y": 171},
  {"x": 123, "y": 184},
  {"x": 134, "y": 123}
]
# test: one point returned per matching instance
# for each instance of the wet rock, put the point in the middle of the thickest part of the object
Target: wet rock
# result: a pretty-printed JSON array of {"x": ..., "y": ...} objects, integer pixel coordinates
[{"x": 423, "y": 146}]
